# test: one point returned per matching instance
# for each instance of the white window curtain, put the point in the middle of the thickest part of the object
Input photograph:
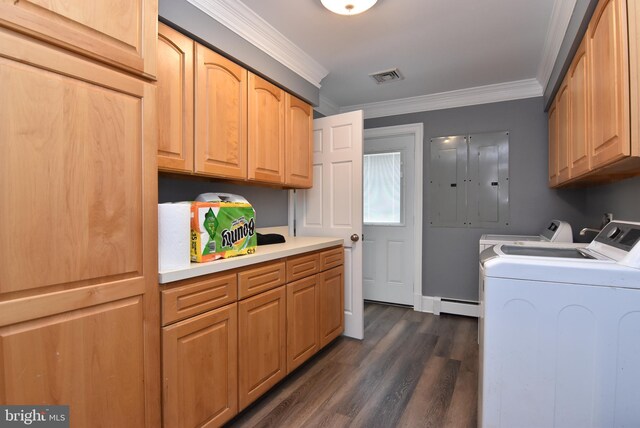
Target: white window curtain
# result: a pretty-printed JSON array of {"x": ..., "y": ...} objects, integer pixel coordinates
[{"x": 382, "y": 188}]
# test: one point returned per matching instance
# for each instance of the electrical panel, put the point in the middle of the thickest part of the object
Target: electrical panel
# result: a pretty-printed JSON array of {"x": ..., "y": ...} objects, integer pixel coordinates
[
  {"x": 469, "y": 180},
  {"x": 447, "y": 184}
]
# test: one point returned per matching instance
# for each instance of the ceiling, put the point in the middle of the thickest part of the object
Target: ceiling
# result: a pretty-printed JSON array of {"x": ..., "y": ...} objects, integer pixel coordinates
[{"x": 438, "y": 45}]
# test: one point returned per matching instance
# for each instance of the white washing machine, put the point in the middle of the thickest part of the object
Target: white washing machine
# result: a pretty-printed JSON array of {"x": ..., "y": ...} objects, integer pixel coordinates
[
  {"x": 557, "y": 231},
  {"x": 561, "y": 334}
]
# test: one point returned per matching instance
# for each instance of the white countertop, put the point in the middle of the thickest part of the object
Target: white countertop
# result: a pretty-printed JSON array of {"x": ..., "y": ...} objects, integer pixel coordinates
[{"x": 264, "y": 253}]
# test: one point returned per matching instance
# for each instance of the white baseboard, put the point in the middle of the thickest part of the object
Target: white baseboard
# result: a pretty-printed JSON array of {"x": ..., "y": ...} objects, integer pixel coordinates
[{"x": 438, "y": 305}]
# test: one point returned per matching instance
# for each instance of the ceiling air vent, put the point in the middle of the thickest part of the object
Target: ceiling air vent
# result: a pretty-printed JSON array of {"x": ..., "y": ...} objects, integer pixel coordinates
[{"x": 386, "y": 76}]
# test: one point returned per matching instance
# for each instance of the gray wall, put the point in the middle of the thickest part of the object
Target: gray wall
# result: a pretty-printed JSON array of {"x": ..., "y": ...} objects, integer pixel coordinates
[
  {"x": 270, "y": 204},
  {"x": 190, "y": 20},
  {"x": 620, "y": 198},
  {"x": 450, "y": 255}
]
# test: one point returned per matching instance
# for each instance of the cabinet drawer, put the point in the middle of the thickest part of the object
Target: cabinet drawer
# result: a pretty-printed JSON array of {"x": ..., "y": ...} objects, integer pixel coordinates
[
  {"x": 198, "y": 295},
  {"x": 261, "y": 278},
  {"x": 331, "y": 258},
  {"x": 302, "y": 266}
]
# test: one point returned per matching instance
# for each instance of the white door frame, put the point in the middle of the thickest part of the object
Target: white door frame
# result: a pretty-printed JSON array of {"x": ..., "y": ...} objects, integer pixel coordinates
[{"x": 415, "y": 129}]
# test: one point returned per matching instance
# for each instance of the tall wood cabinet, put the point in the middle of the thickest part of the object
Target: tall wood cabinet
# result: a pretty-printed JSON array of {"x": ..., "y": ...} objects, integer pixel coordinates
[
  {"x": 597, "y": 100},
  {"x": 78, "y": 201}
]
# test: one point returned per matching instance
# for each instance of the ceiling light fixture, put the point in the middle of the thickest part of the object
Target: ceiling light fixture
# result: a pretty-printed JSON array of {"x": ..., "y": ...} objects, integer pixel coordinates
[{"x": 348, "y": 7}]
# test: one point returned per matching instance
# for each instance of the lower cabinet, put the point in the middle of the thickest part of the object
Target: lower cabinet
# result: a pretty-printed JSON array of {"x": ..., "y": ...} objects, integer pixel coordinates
[
  {"x": 331, "y": 292},
  {"x": 229, "y": 337},
  {"x": 200, "y": 369},
  {"x": 303, "y": 333},
  {"x": 261, "y": 344}
]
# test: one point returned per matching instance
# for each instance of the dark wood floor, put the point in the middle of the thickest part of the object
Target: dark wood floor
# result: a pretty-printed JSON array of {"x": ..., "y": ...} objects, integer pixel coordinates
[{"x": 411, "y": 370}]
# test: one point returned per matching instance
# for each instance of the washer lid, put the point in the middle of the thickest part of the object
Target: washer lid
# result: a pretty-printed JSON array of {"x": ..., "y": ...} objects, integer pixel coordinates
[{"x": 556, "y": 252}]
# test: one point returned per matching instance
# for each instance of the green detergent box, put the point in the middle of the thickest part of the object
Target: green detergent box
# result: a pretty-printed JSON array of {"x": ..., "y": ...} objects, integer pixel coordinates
[{"x": 222, "y": 226}]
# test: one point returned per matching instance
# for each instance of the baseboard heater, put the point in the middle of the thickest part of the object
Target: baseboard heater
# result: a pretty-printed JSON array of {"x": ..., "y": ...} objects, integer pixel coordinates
[{"x": 438, "y": 305}]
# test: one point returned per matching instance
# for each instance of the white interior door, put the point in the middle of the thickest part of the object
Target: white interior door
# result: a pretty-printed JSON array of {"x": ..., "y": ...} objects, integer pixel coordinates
[
  {"x": 388, "y": 243},
  {"x": 333, "y": 206}
]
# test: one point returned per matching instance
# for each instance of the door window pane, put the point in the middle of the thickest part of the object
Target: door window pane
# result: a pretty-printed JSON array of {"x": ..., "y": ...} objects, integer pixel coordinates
[{"x": 382, "y": 188}]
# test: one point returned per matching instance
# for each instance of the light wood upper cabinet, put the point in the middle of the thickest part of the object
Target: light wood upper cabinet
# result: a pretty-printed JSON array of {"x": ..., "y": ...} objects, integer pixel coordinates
[
  {"x": 79, "y": 306},
  {"x": 609, "y": 82},
  {"x": 221, "y": 116},
  {"x": 553, "y": 145},
  {"x": 563, "y": 112},
  {"x": 266, "y": 131},
  {"x": 261, "y": 344},
  {"x": 579, "y": 136},
  {"x": 118, "y": 32},
  {"x": 215, "y": 119},
  {"x": 299, "y": 143},
  {"x": 175, "y": 100},
  {"x": 602, "y": 95},
  {"x": 200, "y": 370}
]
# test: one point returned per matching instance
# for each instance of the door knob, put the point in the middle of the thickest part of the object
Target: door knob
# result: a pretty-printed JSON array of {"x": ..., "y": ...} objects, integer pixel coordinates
[{"x": 355, "y": 237}]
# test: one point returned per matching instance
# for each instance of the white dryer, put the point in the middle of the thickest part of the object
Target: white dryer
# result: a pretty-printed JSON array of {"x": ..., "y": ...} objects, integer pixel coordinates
[
  {"x": 561, "y": 333},
  {"x": 557, "y": 231}
]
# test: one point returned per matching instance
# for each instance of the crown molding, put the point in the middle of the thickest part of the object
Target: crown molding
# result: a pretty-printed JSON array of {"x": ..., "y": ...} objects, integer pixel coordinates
[
  {"x": 560, "y": 18},
  {"x": 327, "y": 107},
  {"x": 243, "y": 21},
  {"x": 508, "y": 91}
]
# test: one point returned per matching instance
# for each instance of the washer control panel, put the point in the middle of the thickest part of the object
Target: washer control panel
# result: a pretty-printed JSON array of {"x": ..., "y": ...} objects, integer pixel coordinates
[{"x": 620, "y": 235}]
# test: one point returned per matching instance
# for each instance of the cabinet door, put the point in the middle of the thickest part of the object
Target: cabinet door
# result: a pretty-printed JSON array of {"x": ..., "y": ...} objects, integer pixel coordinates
[
  {"x": 175, "y": 100},
  {"x": 261, "y": 344},
  {"x": 200, "y": 370},
  {"x": 299, "y": 143},
  {"x": 563, "y": 113},
  {"x": 221, "y": 116},
  {"x": 266, "y": 131},
  {"x": 331, "y": 306},
  {"x": 553, "y": 145},
  {"x": 579, "y": 147},
  {"x": 609, "y": 82},
  {"x": 303, "y": 338},
  {"x": 118, "y": 32},
  {"x": 90, "y": 359},
  {"x": 78, "y": 203}
]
